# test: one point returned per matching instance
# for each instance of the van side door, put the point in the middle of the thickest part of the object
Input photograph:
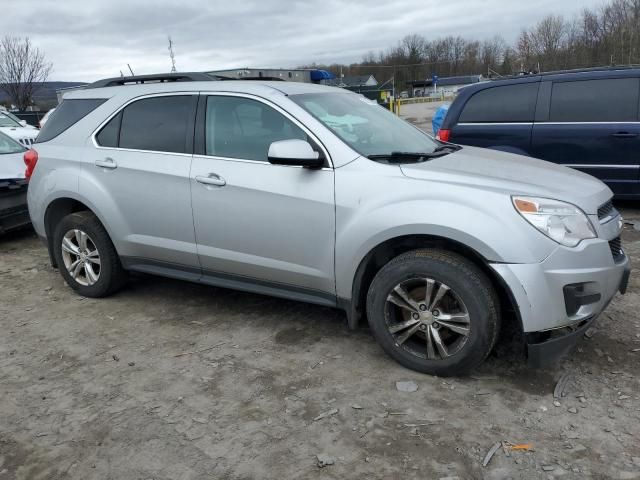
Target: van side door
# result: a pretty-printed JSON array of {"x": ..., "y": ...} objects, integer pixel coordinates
[
  {"x": 498, "y": 117},
  {"x": 592, "y": 125}
]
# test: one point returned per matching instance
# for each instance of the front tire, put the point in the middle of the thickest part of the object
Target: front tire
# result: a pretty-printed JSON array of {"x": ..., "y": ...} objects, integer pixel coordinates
[
  {"x": 433, "y": 311},
  {"x": 86, "y": 257}
]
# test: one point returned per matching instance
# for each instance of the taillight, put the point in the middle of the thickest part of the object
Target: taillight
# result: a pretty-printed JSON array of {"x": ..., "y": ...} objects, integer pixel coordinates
[
  {"x": 30, "y": 160},
  {"x": 444, "y": 135}
]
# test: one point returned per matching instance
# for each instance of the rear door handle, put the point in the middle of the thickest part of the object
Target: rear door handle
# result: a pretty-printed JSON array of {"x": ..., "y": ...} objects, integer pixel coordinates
[
  {"x": 624, "y": 135},
  {"x": 211, "y": 179},
  {"x": 106, "y": 163}
]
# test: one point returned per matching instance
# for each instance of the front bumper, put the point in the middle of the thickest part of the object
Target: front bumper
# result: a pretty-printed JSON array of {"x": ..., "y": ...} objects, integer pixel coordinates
[{"x": 551, "y": 321}]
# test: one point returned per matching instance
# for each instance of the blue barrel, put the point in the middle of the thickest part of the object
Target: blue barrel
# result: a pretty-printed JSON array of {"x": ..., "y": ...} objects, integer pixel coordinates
[{"x": 438, "y": 118}]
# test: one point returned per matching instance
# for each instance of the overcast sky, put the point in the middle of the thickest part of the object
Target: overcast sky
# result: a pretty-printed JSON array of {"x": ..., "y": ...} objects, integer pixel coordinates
[{"x": 88, "y": 39}]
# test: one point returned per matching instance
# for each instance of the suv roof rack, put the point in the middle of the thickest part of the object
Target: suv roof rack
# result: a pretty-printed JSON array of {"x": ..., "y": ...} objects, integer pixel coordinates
[
  {"x": 573, "y": 70},
  {"x": 169, "y": 77},
  {"x": 153, "y": 78}
]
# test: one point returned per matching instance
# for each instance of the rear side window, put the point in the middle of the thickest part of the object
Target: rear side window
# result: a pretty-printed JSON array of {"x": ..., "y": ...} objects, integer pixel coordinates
[
  {"x": 159, "y": 124},
  {"x": 108, "y": 136},
  {"x": 507, "y": 103},
  {"x": 66, "y": 114},
  {"x": 606, "y": 100}
]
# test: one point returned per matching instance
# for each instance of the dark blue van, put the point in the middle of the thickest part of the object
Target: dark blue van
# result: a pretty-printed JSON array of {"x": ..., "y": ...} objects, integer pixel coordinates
[{"x": 586, "y": 120}]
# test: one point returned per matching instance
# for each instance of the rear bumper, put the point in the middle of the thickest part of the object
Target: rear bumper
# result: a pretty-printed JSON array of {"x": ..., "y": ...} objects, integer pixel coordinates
[
  {"x": 560, "y": 297},
  {"x": 14, "y": 213}
]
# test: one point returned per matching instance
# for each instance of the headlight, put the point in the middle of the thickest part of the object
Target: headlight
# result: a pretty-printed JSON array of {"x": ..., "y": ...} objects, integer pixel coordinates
[{"x": 560, "y": 221}]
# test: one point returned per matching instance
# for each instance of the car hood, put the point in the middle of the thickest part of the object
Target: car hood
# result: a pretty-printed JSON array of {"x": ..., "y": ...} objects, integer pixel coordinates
[
  {"x": 513, "y": 174},
  {"x": 11, "y": 166},
  {"x": 20, "y": 132}
]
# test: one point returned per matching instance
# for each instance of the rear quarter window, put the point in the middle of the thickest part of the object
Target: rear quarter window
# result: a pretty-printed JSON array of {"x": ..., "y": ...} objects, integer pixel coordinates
[
  {"x": 603, "y": 100},
  {"x": 67, "y": 114},
  {"x": 506, "y": 103}
]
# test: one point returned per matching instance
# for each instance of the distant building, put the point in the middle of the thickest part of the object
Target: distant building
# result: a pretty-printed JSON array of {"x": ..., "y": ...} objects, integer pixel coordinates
[
  {"x": 353, "y": 81},
  {"x": 304, "y": 75},
  {"x": 444, "y": 85}
]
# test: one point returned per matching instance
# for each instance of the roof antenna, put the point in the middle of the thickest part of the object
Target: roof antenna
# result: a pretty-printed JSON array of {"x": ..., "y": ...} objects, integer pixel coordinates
[
  {"x": 172, "y": 56},
  {"x": 132, "y": 74}
]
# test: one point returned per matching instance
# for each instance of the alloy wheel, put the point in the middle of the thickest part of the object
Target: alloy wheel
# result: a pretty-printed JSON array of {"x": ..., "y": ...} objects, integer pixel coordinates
[
  {"x": 427, "y": 318},
  {"x": 81, "y": 257}
]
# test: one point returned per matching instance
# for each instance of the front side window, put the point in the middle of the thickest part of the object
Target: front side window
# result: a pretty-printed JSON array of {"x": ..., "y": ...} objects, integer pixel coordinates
[
  {"x": 364, "y": 125},
  {"x": 237, "y": 127},
  {"x": 158, "y": 124},
  {"x": 606, "y": 100},
  {"x": 500, "y": 104}
]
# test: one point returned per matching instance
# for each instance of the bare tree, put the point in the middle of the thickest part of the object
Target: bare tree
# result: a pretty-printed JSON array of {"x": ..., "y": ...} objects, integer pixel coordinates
[{"x": 23, "y": 69}]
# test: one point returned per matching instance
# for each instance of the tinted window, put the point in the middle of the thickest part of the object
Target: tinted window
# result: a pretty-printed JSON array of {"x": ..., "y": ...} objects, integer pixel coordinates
[
  {"x": 66, "y": 114},
  {"x": 158, "y": 123},
  {"x": 508, "y": 103},
  {"x": 108, "y": 136},
  {"x": 607, "y": 100},
  {"x": 244, "y": 128}
]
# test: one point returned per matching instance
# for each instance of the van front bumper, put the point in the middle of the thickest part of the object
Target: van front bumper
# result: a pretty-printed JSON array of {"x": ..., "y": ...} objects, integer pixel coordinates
[{"x": 558, "y": 299}]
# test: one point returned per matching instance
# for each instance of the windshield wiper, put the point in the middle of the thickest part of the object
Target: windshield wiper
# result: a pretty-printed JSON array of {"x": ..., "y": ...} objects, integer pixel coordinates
[
  {"x": 447, "y": 146},
  {"x": 400, "y": 157}
]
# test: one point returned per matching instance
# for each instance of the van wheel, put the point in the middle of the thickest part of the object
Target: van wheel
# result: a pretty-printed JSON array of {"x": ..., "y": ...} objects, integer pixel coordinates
[
  {"x": 86, "y": 257},
  {"x": 433, "y": 311}
]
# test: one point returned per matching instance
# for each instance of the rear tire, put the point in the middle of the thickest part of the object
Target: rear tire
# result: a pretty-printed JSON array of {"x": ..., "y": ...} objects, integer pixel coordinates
[
  {"x": 434, "y": 311},
  {"x": 86, "y": 257}
]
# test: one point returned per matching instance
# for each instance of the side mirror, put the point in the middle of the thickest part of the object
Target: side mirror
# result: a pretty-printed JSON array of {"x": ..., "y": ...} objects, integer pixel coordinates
[
  {"x": 294, "y": 152},
  {"x": 23, "y": 123}
]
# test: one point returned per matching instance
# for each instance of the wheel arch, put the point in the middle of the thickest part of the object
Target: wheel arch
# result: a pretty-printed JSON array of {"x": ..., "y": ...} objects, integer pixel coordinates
[
  {"x": 382, "y": 253},
  {"x": 56, "y": 210}
]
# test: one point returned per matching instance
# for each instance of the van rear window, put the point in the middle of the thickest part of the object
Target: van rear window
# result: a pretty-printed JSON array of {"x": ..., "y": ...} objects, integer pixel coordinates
[{"x": 65, "y": 115}]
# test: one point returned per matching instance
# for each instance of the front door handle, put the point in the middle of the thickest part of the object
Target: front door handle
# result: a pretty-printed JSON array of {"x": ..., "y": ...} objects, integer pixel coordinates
[
  {"x": 211, "y": 179},
  {"x": 624, "y": 135},
  {"x": 106, "y": 163}
]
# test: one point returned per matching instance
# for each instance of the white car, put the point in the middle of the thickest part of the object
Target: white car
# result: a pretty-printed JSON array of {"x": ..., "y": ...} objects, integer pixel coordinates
[{"x": 16, "y": 129}]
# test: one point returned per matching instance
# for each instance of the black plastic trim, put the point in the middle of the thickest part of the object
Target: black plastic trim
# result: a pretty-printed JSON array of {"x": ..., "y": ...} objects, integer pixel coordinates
[
  {"x": 225, "y": 280},
  {"x": 547, "y": 352}
]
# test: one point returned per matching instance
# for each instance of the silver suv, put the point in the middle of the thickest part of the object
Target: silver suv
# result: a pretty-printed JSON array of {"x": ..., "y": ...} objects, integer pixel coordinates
[{"x": 317, "y": 194}]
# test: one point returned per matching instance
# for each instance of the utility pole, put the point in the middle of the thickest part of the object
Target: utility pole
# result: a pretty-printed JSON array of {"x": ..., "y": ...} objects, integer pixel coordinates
[{"x": 172, "y": 56}]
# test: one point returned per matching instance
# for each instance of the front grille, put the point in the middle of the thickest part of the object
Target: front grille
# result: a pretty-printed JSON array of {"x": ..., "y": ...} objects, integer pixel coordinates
[
  {"x": 616, "y": 248},
  {"x": 606, "y": 210},
  {"x": 27, "y": 142}
]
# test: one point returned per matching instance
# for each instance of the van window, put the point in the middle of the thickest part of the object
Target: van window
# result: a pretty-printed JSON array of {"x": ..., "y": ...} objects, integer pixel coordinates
[
  {"x": 506, "y": 103},
  {"x": 605, "y": 100},
  {"x": 158, "y": 123},
  {"x": 67, "y": 114}
]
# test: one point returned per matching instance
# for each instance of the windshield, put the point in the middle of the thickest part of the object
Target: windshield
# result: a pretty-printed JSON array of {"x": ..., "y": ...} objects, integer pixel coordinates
[
  {"x": 6, "y": 121},
  {"x": 365, "y": 126},
  {"x": 9, "y": 145}
]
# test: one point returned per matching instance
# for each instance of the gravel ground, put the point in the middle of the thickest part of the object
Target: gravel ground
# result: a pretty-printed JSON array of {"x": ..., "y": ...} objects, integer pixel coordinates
[{"x": 171, "y": 380}]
